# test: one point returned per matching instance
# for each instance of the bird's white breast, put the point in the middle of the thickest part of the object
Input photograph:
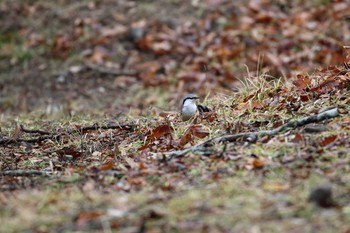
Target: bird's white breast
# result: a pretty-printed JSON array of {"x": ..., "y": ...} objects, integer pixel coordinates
[{"x": 189, "y": 109}]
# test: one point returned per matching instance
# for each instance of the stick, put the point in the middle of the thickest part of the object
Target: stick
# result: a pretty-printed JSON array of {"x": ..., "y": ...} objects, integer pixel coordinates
[
  {"x": 23, "y": 173},
  {"x": 34, "y": 131},
  {"x": 7, "y": 141},
  {"x": 98, "y": 127},
  {"x": 46, "y": 135},
  {"x": 254, "y": 136}
]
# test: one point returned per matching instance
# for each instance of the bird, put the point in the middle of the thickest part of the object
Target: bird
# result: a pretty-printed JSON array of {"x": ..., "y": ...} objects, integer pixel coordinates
[{"x": 189, "y": 107}]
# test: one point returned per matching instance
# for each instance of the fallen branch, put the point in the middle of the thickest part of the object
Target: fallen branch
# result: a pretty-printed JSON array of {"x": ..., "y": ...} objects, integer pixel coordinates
[
  {"x": 37, "y": 131},
  {"x": 104, "y": 127},
  {"x": 23, "y": 173},
  {"x": 47, "y": 135},
  {"x": 7, "y": 141},
  {"x": 254, "y": 136}
]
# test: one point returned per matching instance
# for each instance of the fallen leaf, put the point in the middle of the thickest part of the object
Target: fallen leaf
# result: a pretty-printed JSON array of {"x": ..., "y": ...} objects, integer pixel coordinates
[
  {"x": 328, "y": 140},
  {"x": 87, "y": 216},
  {"x": 186, "y": 137},
  {"x": 302, "y": 81},
  {"x": 71, "y": 151},
  {"x": 258, "y": 163},
  {"x": 257, "y": 104},
  {"x": 192, "y": 132},
  {"x": 160, "y": 131},
  {"x": 199, "y": 131},
  {"x": 106, "y": 166},
  {"x": 297, "y": 138}
]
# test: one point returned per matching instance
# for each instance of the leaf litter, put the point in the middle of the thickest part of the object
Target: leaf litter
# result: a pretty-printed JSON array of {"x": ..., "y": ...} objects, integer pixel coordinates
[{"x": 115, "y": 175}]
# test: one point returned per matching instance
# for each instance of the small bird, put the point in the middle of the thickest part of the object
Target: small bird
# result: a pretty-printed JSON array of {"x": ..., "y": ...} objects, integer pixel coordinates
[{"x": 189, "y": 107}]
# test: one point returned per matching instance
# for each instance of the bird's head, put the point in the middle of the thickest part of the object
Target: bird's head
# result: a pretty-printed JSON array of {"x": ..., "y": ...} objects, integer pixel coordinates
[{"x": 190, "y": 98}]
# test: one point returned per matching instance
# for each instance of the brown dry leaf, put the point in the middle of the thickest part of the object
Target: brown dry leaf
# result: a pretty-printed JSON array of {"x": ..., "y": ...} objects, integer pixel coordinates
[
  {"x": 297, "y": 138},
  {"x": 265, "y": 16},
  {"x": 329, "y": 85},
  {"x": 257, "y": 104},
  {"x": 258, "y": 163},
  {"x": 72, "y": 151},
  {"x": 302, "y": 81},
  {"x": 193, "y": 131},
  {"x": 186, "y": 138},
  {"x": 328, "y": 140},
  {"x": 199, "y": 131},
  {"x": 137, "y": 181},
  {"x": 225, "y": 53},
  {"x": 160, "y": 131},
  {"x": 142, "y": 166},
  {"x": 61, "y": 46},
  {"x": 106, "y": 166},
  {"x": 209, "y": 116},
  {"x": 305, "y": 97},
  {"x": 87, "y": 216},
  {"x": 145, "y": 43}
]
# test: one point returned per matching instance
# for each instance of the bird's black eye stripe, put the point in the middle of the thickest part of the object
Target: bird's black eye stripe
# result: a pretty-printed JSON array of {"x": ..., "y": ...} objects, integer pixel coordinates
[{"x": 189, "y": 98}]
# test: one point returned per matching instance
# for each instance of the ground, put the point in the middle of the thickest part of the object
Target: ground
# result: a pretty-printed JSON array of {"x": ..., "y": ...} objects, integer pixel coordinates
[{"x": 91, "y": 139}]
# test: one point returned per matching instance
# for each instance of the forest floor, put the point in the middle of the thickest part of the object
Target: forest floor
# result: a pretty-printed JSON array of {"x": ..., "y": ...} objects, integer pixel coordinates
[{"x": 90, "y": 135}]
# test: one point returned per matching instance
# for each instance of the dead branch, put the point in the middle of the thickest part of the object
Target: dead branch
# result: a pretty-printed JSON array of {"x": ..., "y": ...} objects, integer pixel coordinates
[
  {"x": 55, "y": 136},
  {"x": 105, "y": 70},
  {"x": 37, "y": 131},
  {"x": 8, "y": 141},
  {"x": 23, "y": 173},
  {"x": 254, "y": 136},
  {"x": 105, "y": 127}
]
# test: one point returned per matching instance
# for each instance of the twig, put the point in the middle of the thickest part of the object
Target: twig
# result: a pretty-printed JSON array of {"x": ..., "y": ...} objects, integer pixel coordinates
[
  {"x": 7, "y": 141},
  {"x": 41, "y": 132},
  {"x": 98, "y": 127},
  {"x": 23, "y": 173},
  {"x": 106, "y": 70},
  {"x": 47, "y": 135},
  {"x": 254, "y": 136}
]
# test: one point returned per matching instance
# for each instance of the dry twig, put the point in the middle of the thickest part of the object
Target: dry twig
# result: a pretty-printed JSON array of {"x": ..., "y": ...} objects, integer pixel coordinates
[
  {"x": 23, "y": 173},
  {"x": 254, "y": 136},
  {"x": 41, "y": 132},
  {"x": 47, "y": 135}
]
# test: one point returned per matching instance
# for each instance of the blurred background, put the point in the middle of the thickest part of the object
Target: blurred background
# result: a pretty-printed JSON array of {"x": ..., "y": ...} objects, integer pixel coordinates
[{"x": 121, "y": 57}]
